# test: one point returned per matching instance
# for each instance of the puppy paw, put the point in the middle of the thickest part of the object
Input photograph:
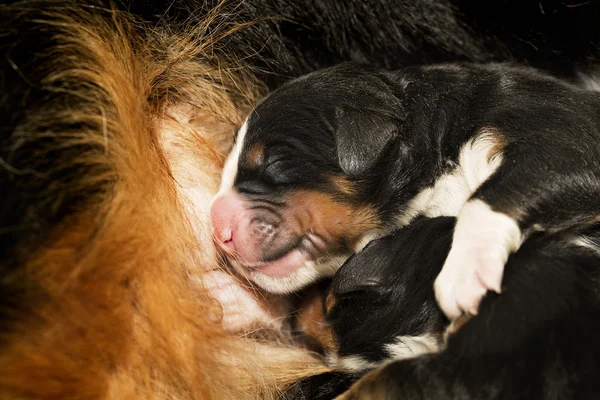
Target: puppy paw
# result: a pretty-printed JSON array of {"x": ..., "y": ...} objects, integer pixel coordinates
[
  {"x": 482, "y": 242},
  {"x": 465, "y": 278}
]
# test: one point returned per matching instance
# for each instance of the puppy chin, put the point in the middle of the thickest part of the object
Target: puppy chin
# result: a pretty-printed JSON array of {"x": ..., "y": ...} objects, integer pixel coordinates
[{"x": 309, "y": 272}]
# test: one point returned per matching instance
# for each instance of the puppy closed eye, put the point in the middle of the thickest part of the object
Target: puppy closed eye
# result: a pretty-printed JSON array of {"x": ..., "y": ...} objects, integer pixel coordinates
[{"x": 254, "y": 187}]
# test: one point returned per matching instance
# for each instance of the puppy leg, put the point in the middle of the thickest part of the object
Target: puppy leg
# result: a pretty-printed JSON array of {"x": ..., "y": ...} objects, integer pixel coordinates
[
  {"x": 483, "y": 239},
  {"x": 527, "y": 192}
]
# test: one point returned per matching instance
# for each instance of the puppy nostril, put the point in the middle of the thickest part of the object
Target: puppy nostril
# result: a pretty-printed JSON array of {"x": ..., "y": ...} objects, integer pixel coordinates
[{"x": 226, "y": 235}]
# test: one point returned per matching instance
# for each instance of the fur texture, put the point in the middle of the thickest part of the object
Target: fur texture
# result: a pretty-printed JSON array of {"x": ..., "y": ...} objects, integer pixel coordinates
[{"x": 114, "y": 122}]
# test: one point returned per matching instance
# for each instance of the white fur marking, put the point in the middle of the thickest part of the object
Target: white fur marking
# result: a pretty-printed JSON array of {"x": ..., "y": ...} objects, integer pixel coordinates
[
  {"x": 352, "y": 363},
  {"x": 366, "y": 238},
  {"x": 583, "y": 241},
  {"x": 483, "y": 239},
  {"x": 412, "y": 346},
  {"x": 231, "y": 164},
  {"x": 452, "y": 190},
  {"x": 303, "y": 276},
  {"x": 590, "y": 82}
]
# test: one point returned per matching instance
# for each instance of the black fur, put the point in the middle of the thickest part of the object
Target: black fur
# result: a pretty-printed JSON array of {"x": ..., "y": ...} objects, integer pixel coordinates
[
  {"x": 386, "y": 290},
  {"x": 394, "y": 134},
  {"x": 538, "y": 340},
  {"x": 320, "y": 387},
  {"x": 561, "y": 36}
]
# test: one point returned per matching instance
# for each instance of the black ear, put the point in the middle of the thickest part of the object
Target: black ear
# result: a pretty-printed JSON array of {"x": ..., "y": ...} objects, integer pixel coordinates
[
  {"x": 361, "y": 137},
  {"x": 369, "y": 270}
]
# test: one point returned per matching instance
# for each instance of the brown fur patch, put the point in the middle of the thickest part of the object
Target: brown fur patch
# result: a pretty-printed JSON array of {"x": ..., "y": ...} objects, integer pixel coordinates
[
  {"x": 335, "y": 222},
  {"x": 311, "y": 320},
  {"x": 343, "y": 185},
  {"x": 498, "y": 139},
  {"x": 330, "y": 302},
  {"x": 456, "y": 325},
  {"x": 255, "y": 155}
]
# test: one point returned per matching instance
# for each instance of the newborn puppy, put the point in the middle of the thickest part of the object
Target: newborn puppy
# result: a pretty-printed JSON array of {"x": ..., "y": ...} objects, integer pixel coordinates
[
  {"x": 537, "y": 341},
  {"x": 380, "y": 304},
  {"x": 339, "y": 157}
]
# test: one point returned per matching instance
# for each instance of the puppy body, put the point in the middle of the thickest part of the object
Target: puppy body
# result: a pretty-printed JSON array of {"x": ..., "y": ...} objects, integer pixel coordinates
[
  {"x": 535, "y": 341},
  {"x": 504, "y": 148}
]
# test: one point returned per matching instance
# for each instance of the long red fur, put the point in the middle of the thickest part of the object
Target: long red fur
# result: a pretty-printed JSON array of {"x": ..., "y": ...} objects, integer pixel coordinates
[{"x": 116, "y": 311}]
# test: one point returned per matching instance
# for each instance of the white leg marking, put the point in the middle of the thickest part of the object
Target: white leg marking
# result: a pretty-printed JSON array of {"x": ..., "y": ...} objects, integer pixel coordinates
[{"x": 483, "y": 239}]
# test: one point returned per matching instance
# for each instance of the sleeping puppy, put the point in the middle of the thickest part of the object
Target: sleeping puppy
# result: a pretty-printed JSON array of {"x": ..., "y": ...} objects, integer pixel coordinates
[
  {"x": 537, "y": 341},
  {"x": 380, "y": 304},
  {"x": 344, "y": 155}
]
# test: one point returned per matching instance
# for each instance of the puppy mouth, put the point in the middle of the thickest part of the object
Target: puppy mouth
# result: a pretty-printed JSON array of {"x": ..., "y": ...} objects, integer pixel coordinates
[{"x": 289, "y": 259}]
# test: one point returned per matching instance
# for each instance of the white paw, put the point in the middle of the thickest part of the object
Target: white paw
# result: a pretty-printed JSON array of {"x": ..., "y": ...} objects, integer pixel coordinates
[
  {"x": 483, "y": 240},
  {"x": 465, "y": 278}
]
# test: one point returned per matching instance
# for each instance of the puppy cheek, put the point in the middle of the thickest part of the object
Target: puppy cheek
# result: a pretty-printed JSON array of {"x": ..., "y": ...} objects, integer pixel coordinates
[{"x": 340, "y": 224}]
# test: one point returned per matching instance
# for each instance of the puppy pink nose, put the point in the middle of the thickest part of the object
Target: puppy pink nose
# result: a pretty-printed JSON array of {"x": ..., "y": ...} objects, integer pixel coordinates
[{"x": 224, "y": 212}]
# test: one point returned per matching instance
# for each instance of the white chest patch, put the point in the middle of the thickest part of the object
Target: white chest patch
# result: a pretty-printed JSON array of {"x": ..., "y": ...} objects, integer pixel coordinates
[
  {"x": 476, "y": 163},
  {"x": 404, "y": 347}
]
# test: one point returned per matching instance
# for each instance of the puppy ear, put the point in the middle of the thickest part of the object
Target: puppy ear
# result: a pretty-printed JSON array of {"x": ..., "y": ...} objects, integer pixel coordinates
[{"x": 361, "y": 138}]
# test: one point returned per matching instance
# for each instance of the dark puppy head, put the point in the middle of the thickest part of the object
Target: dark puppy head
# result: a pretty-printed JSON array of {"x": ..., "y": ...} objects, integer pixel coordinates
[
  {"x": 299, "y": 189},
  {"x": 380, "y": 304}
]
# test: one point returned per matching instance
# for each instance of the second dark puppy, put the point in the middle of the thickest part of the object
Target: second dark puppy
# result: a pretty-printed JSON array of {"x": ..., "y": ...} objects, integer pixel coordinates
[
  {"x": 536, "y": 341},
  {"x": 332, "y": 160}
]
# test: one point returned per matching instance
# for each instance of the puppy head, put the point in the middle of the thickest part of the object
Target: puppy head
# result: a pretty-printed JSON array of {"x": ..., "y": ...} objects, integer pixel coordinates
[
  {"x": 381, "y": 303},
  {"x": 299, "y": 189}
]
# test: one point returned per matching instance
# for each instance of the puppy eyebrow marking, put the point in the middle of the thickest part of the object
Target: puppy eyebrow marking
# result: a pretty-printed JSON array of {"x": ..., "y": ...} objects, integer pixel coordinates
[
  {"x": 330, "y": 302},
  {"x": 255, "y": 155}
]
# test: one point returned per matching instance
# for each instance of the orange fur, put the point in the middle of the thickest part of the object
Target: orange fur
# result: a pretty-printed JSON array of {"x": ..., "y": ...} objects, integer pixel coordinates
[{"x": 113, "y": 310}]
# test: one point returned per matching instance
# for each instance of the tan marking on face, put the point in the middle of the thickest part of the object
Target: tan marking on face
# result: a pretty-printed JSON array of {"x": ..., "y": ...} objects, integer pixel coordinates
[
  {"x": 311, "y": 320},
  {"x": 255, "y": 155},
  {"x": 330, "y": 302},
  {"x": 339, "y": 224}
]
